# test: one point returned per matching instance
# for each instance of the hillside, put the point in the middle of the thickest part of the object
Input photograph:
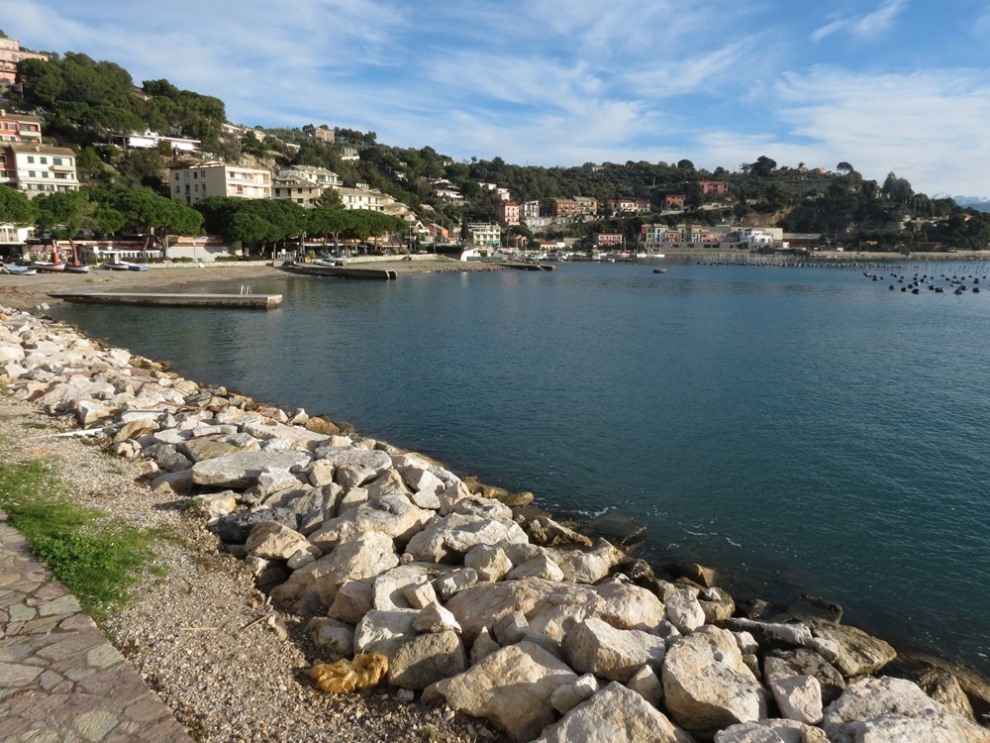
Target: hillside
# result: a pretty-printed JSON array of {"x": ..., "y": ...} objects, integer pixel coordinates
[{"x": 88, "y": 104}]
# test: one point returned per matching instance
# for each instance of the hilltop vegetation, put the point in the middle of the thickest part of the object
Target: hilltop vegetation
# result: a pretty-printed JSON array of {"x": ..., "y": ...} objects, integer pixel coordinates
[{"x": 83, "y": 101}]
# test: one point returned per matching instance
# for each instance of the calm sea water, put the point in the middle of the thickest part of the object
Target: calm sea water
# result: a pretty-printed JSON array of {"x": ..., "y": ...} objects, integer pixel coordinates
[{"x": 802, "y": 429}]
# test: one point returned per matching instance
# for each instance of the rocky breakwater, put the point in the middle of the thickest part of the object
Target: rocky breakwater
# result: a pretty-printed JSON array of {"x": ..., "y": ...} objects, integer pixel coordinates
[{"x": 474, "y": 604}]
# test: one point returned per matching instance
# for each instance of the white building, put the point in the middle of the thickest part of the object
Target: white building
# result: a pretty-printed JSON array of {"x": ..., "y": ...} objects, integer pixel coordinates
[
  {"x": 361, "y": 198},
  {"x": 38, "y": 168},
  {"x": 485, "y": 234},
  {"x": 191, "y": 183},
  {"x": 148, "y": 140}
]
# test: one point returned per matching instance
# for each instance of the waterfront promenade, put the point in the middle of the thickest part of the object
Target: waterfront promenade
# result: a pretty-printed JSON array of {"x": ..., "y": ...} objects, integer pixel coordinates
[{"x": 60, "y": 678}]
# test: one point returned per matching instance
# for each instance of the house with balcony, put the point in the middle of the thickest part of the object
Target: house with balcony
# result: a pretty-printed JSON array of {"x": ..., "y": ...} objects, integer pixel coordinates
[
  {"x": 193, "y": 182},
  {"x": 607, "y": 240},
  {"x": 149, "y": 140},
  {"x": 303, "y": 192},
  {"x": 565, "y": 208},
  {"x": 321, "y": 133},
  {"x": 361, "y": 198},
  {"x": 587, "y": 205},
  {"x": 713, "y": 188},
  {"x": 673, "y": 202},
  {"x": 626, "y": 205},
  {"x": 19, "y": 128},
  {"x": 38, "y": 168},
  {"x": 485, "y": 235},
  {"x": 529, "y": 209},
  {"x": 508, "y": 213},
  {"x": 10, "y": 54},
  {"x": 314, "y": 174}
]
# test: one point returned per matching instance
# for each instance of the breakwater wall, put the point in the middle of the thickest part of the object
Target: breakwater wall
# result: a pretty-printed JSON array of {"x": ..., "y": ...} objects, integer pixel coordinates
[{"x": 472, "y": 599}]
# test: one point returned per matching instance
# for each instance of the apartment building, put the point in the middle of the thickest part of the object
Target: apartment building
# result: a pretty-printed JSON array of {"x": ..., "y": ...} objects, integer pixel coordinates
[
  {"x": 193, "y": 182},
  {"x": 10, "y": 54},
  {"x": 361, "y": 198},
  {"x": 508, "y": 213},
  {"x": 19, "y": 128},
  {"x": 37, "y": 168}
]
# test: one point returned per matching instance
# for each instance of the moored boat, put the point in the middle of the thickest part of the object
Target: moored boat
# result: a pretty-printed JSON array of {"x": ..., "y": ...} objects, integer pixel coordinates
[
  {"x": 49, "y": 267},
  {"x": 76, "y": 268},
  {"x": 19, "y": 270}
]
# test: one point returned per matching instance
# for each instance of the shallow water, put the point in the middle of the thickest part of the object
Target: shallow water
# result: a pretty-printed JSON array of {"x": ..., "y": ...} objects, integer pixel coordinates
[{"x": 804, "y": 430}]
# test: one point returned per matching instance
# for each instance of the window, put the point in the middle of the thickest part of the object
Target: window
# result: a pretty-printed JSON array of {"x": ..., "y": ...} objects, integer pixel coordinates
[
  {"x": 56, "y": 161},
  {"x": 31, "y": 158},
  {"x": 43, "y": 160},
  {"x": 44, "y": 173},
  {"x": 32, "y": 174}
]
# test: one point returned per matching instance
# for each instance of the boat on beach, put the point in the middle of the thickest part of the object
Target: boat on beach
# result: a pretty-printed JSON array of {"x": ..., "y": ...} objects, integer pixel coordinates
[
  {"x": 19, "y": 270},
  {"x": 76, "y": 268},
  {"x": 49, "y": 267}
]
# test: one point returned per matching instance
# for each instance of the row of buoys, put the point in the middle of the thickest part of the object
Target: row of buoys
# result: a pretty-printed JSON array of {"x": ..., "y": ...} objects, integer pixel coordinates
[{"x": 956, "y": 283}]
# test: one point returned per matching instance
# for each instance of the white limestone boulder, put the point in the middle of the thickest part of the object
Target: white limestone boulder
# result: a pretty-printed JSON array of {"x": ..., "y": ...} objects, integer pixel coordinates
[
  {"x": 771, "y": 731},
  {"x": 360, "y": 556},
  {"x": 242, "y": 469},
  {"x": 594, "y": 646},
  {"x": 706, "y": 684},
  {"x": 614, "y": 715},
  {"x": 891, "y": 710},
  {"x": 511, "y": 687},
  {"x": 449, "y": 538}
]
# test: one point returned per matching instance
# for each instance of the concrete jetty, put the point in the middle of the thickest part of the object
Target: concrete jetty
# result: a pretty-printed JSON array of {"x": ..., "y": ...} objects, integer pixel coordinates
[
  {"x": 340, "y": 272},
  {"x": 221, "y": 301}
]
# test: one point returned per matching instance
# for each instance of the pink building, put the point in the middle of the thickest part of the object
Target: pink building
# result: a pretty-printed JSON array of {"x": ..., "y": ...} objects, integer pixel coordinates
[
  {"x": 10, "y": 55},
  {"x": 20, "y": 128},
  {"x": 508, "y": 213}
]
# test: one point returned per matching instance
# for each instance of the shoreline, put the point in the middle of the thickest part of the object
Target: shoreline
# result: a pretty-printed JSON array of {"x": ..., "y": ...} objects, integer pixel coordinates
[
  {"x": 274, "y": 273},
  {"x": 31, "y": 292}
]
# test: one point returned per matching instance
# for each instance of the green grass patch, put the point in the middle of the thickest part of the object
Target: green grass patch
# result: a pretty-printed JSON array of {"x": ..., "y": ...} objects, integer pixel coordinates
[{"x": 97, "y": 558}]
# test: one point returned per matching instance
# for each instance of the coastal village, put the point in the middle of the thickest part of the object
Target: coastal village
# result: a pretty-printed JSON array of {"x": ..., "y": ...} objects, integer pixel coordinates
[
  {"x": 432, "y": 203},
  {"x": 436, "y": 606}
]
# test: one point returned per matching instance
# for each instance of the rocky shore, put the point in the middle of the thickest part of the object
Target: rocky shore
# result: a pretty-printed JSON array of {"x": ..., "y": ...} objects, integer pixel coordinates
[{"x": 316, "y": 553}]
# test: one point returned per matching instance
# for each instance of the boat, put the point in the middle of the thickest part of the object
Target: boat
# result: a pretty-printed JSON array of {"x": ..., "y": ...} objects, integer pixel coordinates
[
  {"x": 49, "y": 267},
  {"x": 659, "y": 270},
  {"x": 76, "y": 268},
  {"x": 20, "y": 270},
  {"x": 123, "y": 266}
]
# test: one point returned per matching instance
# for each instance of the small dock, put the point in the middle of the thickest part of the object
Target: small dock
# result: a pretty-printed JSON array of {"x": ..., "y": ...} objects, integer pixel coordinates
[
  {"x": 340, "y": 272},
  {"x": 221, "y": 301},
  {"x": 523, "y": 266}
]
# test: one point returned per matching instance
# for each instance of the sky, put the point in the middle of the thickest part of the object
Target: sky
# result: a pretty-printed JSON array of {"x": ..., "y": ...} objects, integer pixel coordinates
[{"x": 898, "y": 86}]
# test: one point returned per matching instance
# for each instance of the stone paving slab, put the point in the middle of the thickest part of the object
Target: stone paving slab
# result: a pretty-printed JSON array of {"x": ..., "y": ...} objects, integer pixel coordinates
[{"x": 60, "y": 680}]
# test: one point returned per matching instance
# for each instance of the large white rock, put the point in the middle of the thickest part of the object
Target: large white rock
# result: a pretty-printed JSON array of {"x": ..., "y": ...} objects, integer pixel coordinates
[
  {"x": 614, "y": 715},
  {"x": 858, "y": 652},
  {"x": 511, "y": 687},
  {"x": 798, "y": 698},
  {"x": 361, "y": 556},
  {"x": 448, "y": 538},
  {"x": 426, "y": 659},
  {"x": 891, "y": 710},
  {"x": 683, "y": 610},
  {"x": 395, "y": 516},
  {"x": 588, "y": 566},
  {"x": 384, "y": 631},
  {"x": 273, "y": 541},
  {"x": 616, "y": 654},
  {"x": 706, "y": 684},
  {"x": 771, "y": 731},
  {"x": 242, "y": 469}
]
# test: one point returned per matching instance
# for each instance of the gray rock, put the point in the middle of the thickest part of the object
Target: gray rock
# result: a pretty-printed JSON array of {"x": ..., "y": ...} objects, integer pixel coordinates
[
  {"x": 771, "y": 731},
  {"x": 334, "y": 639},
  {"x": 859, "y": 653},
  {"x": 235, "y": 528},
  {"x": 426, "y": 660},
  {"x": 384, "y": 631},
  {"x": 566, "y": 698},
  {"x": 242, "y": 469}
]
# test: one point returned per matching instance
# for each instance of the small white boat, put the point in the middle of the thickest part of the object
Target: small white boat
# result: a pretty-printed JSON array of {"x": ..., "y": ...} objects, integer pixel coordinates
[
  {"x": 19, "y": 270},
  {"x": 48, "y": 267}
]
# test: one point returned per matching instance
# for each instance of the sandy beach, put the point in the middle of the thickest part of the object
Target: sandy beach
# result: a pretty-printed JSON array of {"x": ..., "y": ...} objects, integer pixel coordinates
[{"x": 31, "y": 292}]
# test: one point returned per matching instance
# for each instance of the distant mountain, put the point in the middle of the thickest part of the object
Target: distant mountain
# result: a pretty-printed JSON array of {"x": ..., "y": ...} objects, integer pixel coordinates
[{"x": 973, "y": 202}]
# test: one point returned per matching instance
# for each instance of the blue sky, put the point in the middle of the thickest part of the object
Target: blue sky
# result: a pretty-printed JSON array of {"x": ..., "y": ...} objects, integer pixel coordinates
[{"x": 886, "y": 85}]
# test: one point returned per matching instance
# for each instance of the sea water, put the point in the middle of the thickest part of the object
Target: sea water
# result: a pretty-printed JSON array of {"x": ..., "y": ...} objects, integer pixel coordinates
[{"x": 804, "y": 430}]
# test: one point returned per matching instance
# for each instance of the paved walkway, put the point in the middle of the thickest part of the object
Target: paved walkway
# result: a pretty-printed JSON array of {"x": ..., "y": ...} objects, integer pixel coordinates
[{"x": 60, "y": 680}]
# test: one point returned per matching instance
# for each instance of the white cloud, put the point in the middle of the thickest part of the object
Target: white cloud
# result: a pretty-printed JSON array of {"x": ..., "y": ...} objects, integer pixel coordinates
[{"x": 863, "y": 27}]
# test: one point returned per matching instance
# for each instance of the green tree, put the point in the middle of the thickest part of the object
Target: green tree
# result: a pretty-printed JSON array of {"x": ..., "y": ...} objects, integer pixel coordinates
[
  {"x": 156, "y": 216},
  {"x": 16, "y": 208}
]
